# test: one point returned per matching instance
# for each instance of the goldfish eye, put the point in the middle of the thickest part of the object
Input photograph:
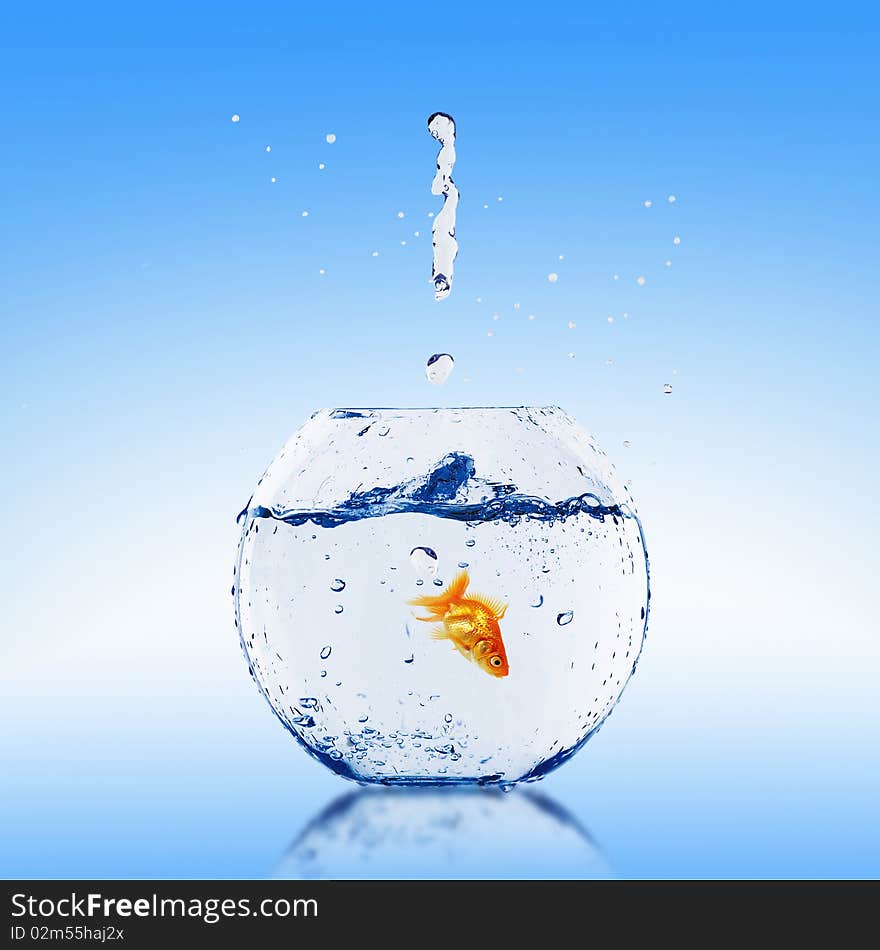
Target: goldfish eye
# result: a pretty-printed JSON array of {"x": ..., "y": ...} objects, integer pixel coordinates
[{"x": 495, "y": 661}]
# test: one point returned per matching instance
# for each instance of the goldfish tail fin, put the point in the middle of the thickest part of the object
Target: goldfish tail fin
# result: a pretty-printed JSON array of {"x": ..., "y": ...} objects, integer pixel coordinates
[{"x": 440, "y": 604}]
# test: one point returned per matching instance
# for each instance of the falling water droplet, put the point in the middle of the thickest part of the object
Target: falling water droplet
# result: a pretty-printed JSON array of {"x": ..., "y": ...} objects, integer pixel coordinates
[
  {"x": 442, "y": 128},
  {"x": 565, "y": 618},
  {"x": 337, "y": 585},
  {"x": 438, "y": 368}
]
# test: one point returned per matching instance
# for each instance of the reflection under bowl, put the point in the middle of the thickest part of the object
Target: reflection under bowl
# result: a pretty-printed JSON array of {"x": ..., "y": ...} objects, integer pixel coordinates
[{"x": 443, "y": 833}]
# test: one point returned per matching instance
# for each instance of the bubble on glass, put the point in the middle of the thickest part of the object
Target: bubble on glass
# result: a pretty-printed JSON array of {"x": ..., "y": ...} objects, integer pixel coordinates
[
  {"x": 337, "y": 585},
  {"x": 438, "y": 368},
  {"x": 565, "y": 618},
  {"x": 424, "y": 561}
]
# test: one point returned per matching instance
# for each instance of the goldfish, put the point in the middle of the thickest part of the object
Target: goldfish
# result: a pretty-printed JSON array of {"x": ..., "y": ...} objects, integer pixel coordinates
[{"x": 470, "y": 622}]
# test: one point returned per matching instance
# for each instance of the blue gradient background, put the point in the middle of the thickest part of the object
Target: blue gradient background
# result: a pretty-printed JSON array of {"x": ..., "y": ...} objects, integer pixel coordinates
[{"x": 165, "y": 328}]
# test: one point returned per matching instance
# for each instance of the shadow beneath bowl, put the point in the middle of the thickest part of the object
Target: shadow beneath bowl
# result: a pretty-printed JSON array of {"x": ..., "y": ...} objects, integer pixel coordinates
[{"x": 443, "y": 833}]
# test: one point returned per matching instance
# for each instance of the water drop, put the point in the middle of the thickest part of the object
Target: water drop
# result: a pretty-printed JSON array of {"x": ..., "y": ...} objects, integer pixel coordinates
[
  {"x": 640, "y": 281},
  {"x": 538, "y": 602},
  {"x": 305, "y": 214},
  {"x": 308, "y": 702},
  {"x": 438, "y": 582},
  {"x": 330, "y": 138},
  {"x": 321, "y": 166},
  {"x": 442, "y": 128},
  {"x": 611, "y": 319},
  {"x": 273, "y": 180},
  {"x": 424, "y": 560},
  {"x": 338, "y": 609},
  {"x": 571, "y": 324},
  {"x": 672, "y": 199},
  {"x": 648, "y": 204},
  {"x": 236, "y": 117},
  {"x": 463, "y": 564},
  {"x": 305, "y": 721},
  {"x": 400, "y": 214},
  {"x": 626, "y": 443},
  {"x": 676, "y": 240},
  {"x": 669, "y": 263},
  {"x": 470, "y": 543},
  {"x": 438, "y": 368},
  {"x": 375, "y": 254},
  {"x": 363, "y": 718},
  {"x": 571, "y": 356},
  {"x": 383, "y": 431},
  {"x": 553, "y": 277},
  {"x": 268, "y": 148},
  {"x": 337, "y": 585},
  {"x": 667, "y": 389},
  {"x": 409, "y": 659},
  {"x": 565, "y": 618},
  {"x": 616, "y": 277}
]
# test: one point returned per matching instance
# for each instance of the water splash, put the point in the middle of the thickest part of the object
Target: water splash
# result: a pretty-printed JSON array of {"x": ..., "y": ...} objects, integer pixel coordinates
[
  {"x": 450, "y": 490},
  {"x": 442, "y": 127}
]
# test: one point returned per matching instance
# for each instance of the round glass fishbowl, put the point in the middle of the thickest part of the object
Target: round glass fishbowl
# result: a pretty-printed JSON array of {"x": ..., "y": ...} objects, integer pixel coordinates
[{"x": 441, "y": 596}]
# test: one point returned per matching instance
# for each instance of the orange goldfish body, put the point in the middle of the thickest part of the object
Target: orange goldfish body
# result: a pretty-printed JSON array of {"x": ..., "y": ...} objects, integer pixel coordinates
[{"x": 470, "y": 622}]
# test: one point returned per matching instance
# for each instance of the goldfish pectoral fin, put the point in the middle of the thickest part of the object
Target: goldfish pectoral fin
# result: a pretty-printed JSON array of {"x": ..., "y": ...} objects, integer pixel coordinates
[
  {"x": 439, "y": 632},
  {"x": 428, "y": 619}
]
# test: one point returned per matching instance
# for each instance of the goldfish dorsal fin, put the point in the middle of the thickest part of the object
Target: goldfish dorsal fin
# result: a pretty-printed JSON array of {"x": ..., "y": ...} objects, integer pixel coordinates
[
  {"x": 455, "y": 591},
  {"x": 495, "y": 606}
]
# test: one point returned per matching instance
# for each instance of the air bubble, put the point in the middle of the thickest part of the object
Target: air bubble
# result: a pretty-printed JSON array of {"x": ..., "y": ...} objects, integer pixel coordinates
[
  {"x": 553, "y": 277},
  {"x": 667, "y": 390},
  {"x": 337, "y": 585},
  {"x": 424, "y": 560},
  {"x": 565, "y": 618},
  {"x": 236, "y": 117},
  {"x": 338, "y": 609},
  {"x": 470, "y": 543},
  {"x": 538, "y": 602},
  {"x": 329, "y": 138},
  {"x": 326, "y": 651}
]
